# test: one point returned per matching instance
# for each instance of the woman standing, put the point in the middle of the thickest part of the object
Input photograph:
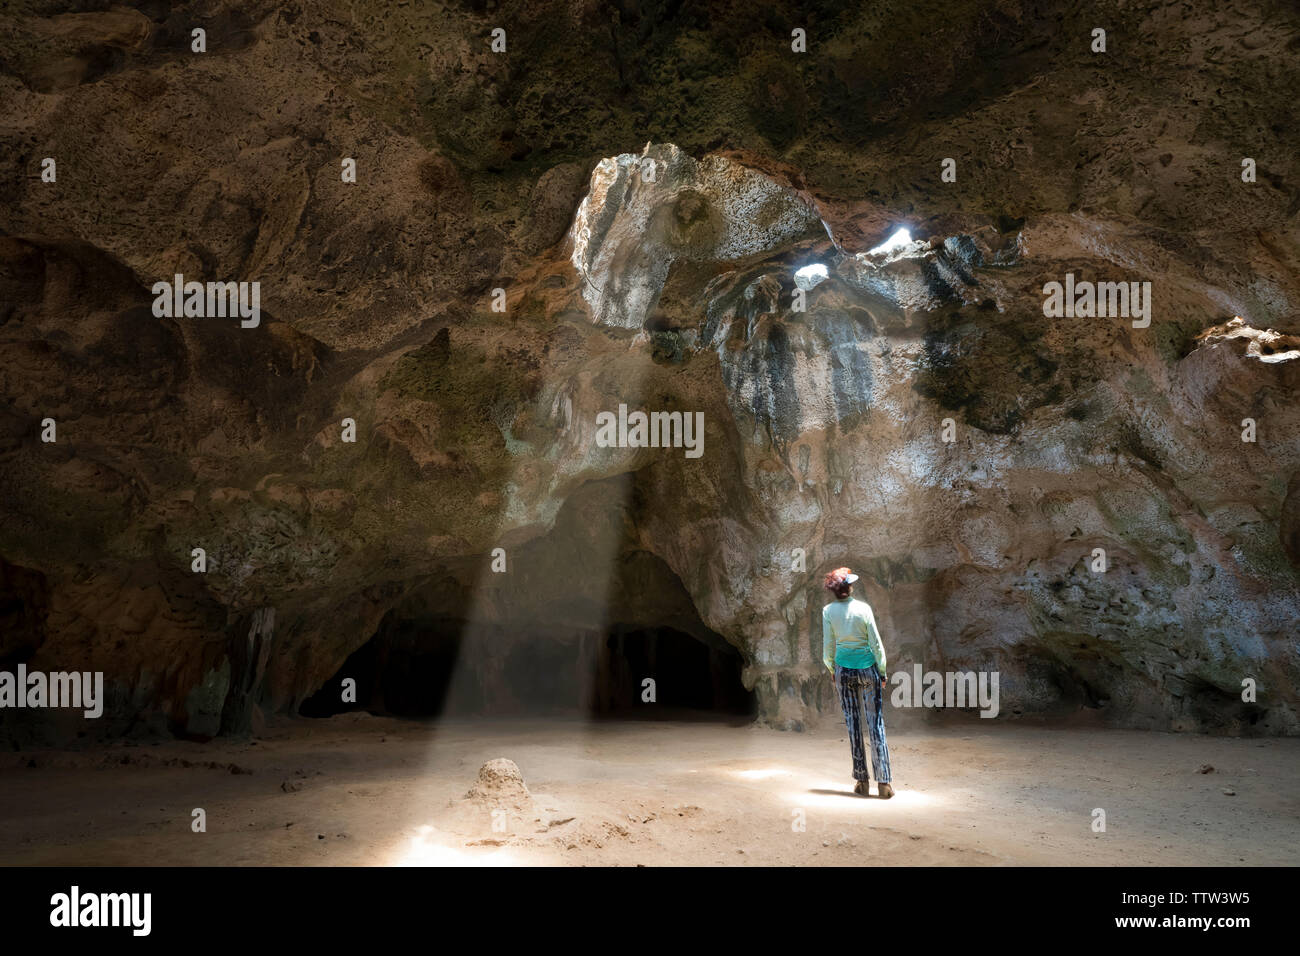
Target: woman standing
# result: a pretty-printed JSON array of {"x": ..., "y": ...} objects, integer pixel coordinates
[{"x": 852, "y": 650}]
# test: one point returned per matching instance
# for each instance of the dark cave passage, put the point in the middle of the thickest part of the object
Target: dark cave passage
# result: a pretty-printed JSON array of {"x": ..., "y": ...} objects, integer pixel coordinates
[
  {"x": 432, "y": 667},
  {"x": 585, "y": 624},
  {"x": 688, "y": 674},
  {"x": 405, "y": 669}
]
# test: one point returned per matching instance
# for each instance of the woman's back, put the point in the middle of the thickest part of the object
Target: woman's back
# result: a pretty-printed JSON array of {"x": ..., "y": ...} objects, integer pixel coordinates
[{"x": 852, "y": 625}]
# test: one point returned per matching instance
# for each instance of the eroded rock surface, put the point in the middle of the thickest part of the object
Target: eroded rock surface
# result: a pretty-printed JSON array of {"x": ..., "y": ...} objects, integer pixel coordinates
[{"x": 825, "y": 404}]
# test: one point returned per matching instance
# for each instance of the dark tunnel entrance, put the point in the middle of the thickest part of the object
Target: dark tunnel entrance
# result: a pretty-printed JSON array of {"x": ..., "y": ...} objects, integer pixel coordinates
[
  {"x": 405, "y": 670},
  {"x": 584, "y": 623},
  {"x": 432, "y": 667},
  {"x": 689, "y": 676}
]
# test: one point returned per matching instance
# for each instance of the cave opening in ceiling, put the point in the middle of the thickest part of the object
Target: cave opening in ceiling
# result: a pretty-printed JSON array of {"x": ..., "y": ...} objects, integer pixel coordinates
[
  {"x": 811, "y": 275},
  {"x": 899, "y": 240}
]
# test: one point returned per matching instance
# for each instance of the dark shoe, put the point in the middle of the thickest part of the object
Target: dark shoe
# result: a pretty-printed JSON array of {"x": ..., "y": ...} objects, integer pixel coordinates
[
  {"x": 862, "y": 788},
  {"x": 884, "y": 791}
]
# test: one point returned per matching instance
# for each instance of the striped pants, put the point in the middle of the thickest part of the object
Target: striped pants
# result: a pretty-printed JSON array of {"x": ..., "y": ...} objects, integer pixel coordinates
[{"x": 860, "y": 690}]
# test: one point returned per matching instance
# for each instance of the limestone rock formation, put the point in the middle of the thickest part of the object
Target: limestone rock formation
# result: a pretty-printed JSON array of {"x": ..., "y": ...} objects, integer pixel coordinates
[{"x": 827, "y": 405}]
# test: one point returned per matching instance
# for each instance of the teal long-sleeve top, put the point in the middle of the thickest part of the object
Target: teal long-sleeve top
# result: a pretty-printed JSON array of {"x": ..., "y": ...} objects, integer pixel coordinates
[{"x": 850, "y": 637}]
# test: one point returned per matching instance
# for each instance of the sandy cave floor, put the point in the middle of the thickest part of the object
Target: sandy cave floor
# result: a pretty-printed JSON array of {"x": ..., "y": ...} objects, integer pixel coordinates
[{"x": 362, "y": 790}]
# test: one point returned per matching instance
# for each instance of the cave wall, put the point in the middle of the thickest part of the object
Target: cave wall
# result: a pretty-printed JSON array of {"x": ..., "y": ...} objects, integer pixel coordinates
[{"x": 822, "y": 428}]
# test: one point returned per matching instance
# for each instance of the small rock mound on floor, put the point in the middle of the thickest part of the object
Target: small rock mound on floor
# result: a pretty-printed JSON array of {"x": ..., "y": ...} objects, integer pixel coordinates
[{"x": 500, "y": 783}]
